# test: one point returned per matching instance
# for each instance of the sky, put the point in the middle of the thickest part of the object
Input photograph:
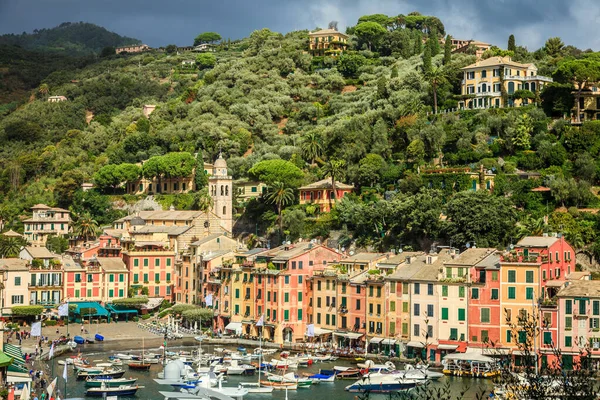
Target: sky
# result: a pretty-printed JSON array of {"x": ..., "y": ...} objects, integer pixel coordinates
[{"x": 161, "y": 22}]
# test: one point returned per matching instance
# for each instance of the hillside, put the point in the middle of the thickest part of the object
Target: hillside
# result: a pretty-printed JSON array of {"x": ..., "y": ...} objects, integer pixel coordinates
[
  {"x": 364, "y": 116},
  {"x": 69, "y": 38}
]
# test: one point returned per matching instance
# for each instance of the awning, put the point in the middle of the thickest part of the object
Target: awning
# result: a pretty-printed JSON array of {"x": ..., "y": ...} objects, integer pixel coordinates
[
  {"x": 523, "y": 353},
  {"x": 349, "y": 335},
  {"x": 416, "y": 344},
  {"x": 489, "y": 351},
  {"x": 447, "y": 346},
  {"x": 321, "y": 331},
  {"x": 388, "y": 341},
  {"x": 234, "y": 326},
  {"x": 376, "y": 340}
]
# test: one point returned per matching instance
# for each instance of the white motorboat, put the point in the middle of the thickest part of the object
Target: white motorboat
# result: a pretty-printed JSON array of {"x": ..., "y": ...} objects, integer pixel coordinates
[
  {"x": 283, "y": 364},
  {"x": 420, "y": 373},
  {"x": 382, "y": 383},
  {"x": 256, "y": 388},
  {"x": 371, "y": 366}
]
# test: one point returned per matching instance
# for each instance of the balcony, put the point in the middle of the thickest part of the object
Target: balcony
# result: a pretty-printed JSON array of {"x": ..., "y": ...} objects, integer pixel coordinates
[
  {"x": 246, "y": 297},
  {"x": 42, "y": 285},
  {"x": 343, "y": 310}
]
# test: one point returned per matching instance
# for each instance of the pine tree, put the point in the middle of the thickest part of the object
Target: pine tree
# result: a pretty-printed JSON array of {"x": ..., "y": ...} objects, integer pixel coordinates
[
  {"x": 427, "y": 60},
  {"x": 511, "y": 43},
  {"x": 448, "y": 50},
  {"x": 418, "y": 40}
]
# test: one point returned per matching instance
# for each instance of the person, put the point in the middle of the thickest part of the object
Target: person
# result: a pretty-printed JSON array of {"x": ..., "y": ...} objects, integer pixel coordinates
[
  {"x": 81, "y": 328},
  {"x": 35, "y": 397}
]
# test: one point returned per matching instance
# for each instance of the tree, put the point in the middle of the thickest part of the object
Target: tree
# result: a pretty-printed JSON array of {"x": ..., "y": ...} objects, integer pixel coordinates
[
  {"x": 436, "y": 76},
  {"x": 370, "y": 33},
  {"x": 584, "y": 167},
  {"x": 11, "y": 246},
  {"x": 281, "y": 196},
  {"x": 554, "y": 46},
  {"x": 523, "y": 129},
  {"x": 171, "y": 49},
  {"x": 57, "y": 244},
  {"x": 85, "y": 227},
  {"x": 427, "y": 60},
  {"x": 200, "y": 177},
  {"x": 272, "y": 171},
  {"x": 448, "y": 50},
  {"x": 433, "y": 42},
  {"x": 416, "y": 151},
  {"x": 511, "y": 43},
  {"x": 107, "y": 51},
  {"x": 207, "y": 37},
  {"x": 381, "y": 19},
  {"x": 349, "y": 64},
  {"x": 580, "y": 73},
  {"x": 418, "y": 42},
  {"x": 44, "y": 89},
  {"x": 335, "y": 169},
  {"x": 489, "y": 222},
  {"x": 370, "y": 169},
  {"x": 202, "y": 200},
  {"x": 206, "y": 60},
  {"x": 312, "y": 146}
]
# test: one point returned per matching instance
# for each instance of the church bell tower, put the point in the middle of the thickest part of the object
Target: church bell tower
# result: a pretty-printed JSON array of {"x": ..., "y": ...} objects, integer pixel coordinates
[{"x": 221, "y": 192}]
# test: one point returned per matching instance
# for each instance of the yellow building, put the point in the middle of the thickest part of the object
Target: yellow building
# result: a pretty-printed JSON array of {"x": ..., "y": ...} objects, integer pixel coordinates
[
  {"x": 327, "y": 41},
  {"x": 15, "y": 273},
  {"x": 246, "y": 190},
  {"x": 589, "y": 104},
  {"x": 493, "y": 82}
]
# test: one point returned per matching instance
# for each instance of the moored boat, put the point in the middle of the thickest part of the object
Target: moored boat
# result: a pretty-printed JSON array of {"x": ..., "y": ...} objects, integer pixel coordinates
[
  {"x": 107, "y": 373},
  {"x": 116, "y": 382},
  {"x": 381, "y": 383},
  {"x": 105, "y": 391},
  {"x": 279, "y": 385}
]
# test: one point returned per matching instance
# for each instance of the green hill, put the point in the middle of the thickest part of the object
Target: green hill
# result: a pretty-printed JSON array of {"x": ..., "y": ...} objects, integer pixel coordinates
[
  {"x": 72, "y": 38},
  {"x": 364, "y": 115}
]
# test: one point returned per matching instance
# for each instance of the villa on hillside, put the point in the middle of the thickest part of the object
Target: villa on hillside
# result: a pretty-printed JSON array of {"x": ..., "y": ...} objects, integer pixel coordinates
[
  {"x": 589, "y": 103},
  {"x": 493, "y": 83},
  {"x": 327, "y": 41},
  {"x": 46, "y": 221},
  {"x": 134, "y": 48},
  {"x": 56, "y": 99},
  {"x": 321, "y": 193}
]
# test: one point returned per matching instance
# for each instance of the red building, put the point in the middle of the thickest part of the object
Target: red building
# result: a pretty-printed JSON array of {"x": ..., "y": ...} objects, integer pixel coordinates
[
  {"x": 151, "y": 265},
  {"x": 321, "y": 193}
]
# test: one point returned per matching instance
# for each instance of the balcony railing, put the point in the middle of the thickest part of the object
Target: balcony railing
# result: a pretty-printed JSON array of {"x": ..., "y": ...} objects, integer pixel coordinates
[{"x": 45, "y": 284}]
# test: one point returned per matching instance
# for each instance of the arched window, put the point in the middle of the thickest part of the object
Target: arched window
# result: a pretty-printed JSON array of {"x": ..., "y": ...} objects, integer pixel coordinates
[
  {"x": 224, "y": 210},
  {"x": 226, "y": 190},
  {"x": 222, "y": 190}
]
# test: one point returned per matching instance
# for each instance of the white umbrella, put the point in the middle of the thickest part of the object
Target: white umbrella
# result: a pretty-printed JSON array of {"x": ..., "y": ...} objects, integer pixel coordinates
[
  {"x": 177, "y": 328},
  {"x": 366, "y": 346},
  {"x": 195, "y": 326}
]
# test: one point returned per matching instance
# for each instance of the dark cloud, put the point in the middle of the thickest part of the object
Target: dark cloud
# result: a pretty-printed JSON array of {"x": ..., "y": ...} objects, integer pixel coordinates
[{"x": 160, "y": 22}]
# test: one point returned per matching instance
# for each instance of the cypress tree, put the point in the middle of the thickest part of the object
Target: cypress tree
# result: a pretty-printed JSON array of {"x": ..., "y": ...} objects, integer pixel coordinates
[
  {"x": 418, "y": 40},
  {"x": 448, "y": 50},
  {"x": 511, "y": 43},
  {"x": 427, "y": 60},
  {"x": 394, "y": 72},
  {"x": 433, "y": 42}
]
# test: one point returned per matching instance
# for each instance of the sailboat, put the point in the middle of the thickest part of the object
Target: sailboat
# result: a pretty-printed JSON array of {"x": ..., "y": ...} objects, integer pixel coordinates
[
  {"x": 256, "y": 387},
  {"x": 140, "y": 365}
]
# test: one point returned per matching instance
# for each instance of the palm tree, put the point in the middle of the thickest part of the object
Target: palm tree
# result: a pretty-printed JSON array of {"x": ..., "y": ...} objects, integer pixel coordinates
[
  {"x": 44, "y": 89},
  {"x": 202, "y": 201},
  {"x": 312, "y": 147},
  {"x": 11, "y": 246},
  {"x": 281, "y": 196},
  {"x": 335, "y": 169},
  {"x": 85, "y": 226},
  {"x": 436, "y": 76}
]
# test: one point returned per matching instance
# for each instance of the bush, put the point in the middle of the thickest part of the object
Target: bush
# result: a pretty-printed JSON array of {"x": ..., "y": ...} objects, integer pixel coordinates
[
  {"x": 163, "y": 313},
  {"x": 131, "y": 302},
  {"x": 51, "y": 322},
  {"x": 27, "y": 311},
  {"x": 180, "y": 308},
  {"x": 146, "y": 316}
]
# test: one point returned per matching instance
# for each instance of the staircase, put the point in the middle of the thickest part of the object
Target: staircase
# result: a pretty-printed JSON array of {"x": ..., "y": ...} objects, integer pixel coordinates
[{"x": 15, "y": 352}]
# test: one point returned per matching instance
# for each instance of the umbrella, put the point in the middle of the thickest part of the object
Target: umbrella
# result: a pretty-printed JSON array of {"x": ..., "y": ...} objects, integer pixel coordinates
[{"x": 195, "y": 326}]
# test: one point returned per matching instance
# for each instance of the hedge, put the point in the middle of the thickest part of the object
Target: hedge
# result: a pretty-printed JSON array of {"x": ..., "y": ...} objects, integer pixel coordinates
[
  {"x": 27, "y": 310},
  {"x": 131, "y": 302}
]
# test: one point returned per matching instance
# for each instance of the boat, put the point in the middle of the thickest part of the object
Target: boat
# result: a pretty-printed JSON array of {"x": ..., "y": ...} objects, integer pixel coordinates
[
  {"x": 235, "y": 369},
  {"x": 279, "y": 385},
  {"x": 381, "y": 383},
  {"x": 290, "y": 378},
  {"x": 371, "y": 366},
  {"x": 470, "y": 364},
  {"x": 99, "y": 337},
  {"x": 140, "y": 365},
  {"x": 321, "y": 378},
  {"x": 107, "y": 373},
  {"x": 344, "y": 372},
  {"x": 79, "y": 340},
  {"x": 419, "y": 373},
  {"x": 122, "y": 356},
  {"x": 94, "y": 382},
  {"x": 264, "y": 352},
  {"x": 200, "y": 338},
  {"x": 256, "y": 387},
  {"x": 105, "y": 391}
]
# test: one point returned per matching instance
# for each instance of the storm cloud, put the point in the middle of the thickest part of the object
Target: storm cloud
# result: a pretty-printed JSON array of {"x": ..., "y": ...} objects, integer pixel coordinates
[{"x": 161, "y": 22}]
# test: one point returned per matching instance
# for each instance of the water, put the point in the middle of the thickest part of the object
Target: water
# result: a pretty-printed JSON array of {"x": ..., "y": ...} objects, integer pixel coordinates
[{"x": 324, "y": 390}]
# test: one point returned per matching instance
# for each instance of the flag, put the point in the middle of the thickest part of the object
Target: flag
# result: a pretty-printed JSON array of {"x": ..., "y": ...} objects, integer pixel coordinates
[
  {"x": 208, "y": 300},
  {"x": 51, "y": 354},
  {"x": 310, "y": 330},
  {"x": 25, "y": 393},
  {"x": 63, "y": 310},
  {"x": 51, "y": 386},
  {"x": 36, "y": 329},
  {"x": 261, "y": 321},
  {"x": 65, "y": 373}
]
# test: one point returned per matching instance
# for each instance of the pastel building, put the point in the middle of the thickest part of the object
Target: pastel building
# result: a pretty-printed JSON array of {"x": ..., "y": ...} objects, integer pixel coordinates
[
  {"x": 327, "y": 41},
  {"x": 321, "y": 193},
  {"x": 15, "y": 274},
  {"x": 46, "y": 221},
  {"x": 151, "y": 265}
]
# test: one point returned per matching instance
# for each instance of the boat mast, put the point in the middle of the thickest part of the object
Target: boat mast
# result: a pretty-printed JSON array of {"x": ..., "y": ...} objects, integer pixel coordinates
[{"x": 259, "y": 353}]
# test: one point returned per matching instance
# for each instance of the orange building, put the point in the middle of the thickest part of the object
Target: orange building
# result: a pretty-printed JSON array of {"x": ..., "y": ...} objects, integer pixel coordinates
[
  {"x": 321, "y": 193},
  {"x": 151, "y": 265}
]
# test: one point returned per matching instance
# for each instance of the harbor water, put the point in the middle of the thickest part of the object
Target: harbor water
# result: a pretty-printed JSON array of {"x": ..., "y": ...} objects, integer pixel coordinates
[{"x": 324, "y": 390}]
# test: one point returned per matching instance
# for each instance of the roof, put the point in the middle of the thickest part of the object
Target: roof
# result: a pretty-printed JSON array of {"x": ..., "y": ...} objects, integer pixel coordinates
[
  {"x": 215, "y": 254},
  {"x": 208, "y": 239},
  {"x": 471, "y": 256},
  {"x": 578, "y": 275},
  {"x": 359, "y": 278},
  {"x": 142, "y": 243},
  {"x": 112, "y": 264},
  {"x": 167, "y": 215},
  {"x": 69, "y": 263},
  {"x": 399, "y": 258},
  {"x": 490, "y": 262},
  {"x": 11, "y": 233},
  {"x": 13, "y": 264},
  {"x": 40, "y": 207},
  {"x": 363, "y": 258},
  {"x": 286, "y": 252},
  {"x": 497, "y": 61},
  {"x": 581, "y": 289},
  {"x": 327, "y": 32},
  {"x": 39, "y": 252},
  {"x": 541, "y": 189},
  {"x": 170, "y": 230},
  {"x": 326, "y": 184},
  {"x": 419, "y": 269},
  {"x": 537, "y": 241}
]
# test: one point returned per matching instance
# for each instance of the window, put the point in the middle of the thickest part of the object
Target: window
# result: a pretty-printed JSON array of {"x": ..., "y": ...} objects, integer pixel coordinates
[
  {"x": 444, "y": 290},
  {"x": 430, "y": 289},
  {"x": 485, "y": 315},
  {"x": 494, "y": 276},
  {"x": 89, "y": 293},
  {"x": 78, "y": 277},
  {"x": 111, "y": 293},
  {"x": 512, "y": 276},
  {"x": 237, "y": 293},
  {"x": 529, "y": 276},
  {"x": 299, "y": 296},
  {"x": 547, "y": 338},
  {"x": 90, "y": 278},
  {"x": 529, "y": 293},
  {"x": 416, "y": 330},
  {"x": 568, "y": 322},
  {"x": 136, "y": 262},
  {"x": 417, "y": 288},
  {"x": 494, "y": 295},
  {"x": 582, "y": 304},
  {"x": 146, "y": 278},
  {"x": 17, "y": 299},
  {"x": 299, "y": 314},
  {"x": 318, "y": 318},
  {"x": 157, "y": 262},
  {"x": 461, "y": 291},
  {"x": 286, "y": 297},
  {"x": 357, "y": 304},
  {"x": 286, "y": 279},
  {"x": 378, "y": 309},
  {"x": 358, "y": 290},
  {"x": 596, "y": 305},
  {"x": 392, "y": 306},
  {"x": 299, "y": 279},
  {"x": 121, "y": 292},
  {"x": 444, "y": 314},
  {"x": 522, "y": 337},
  {"x": 430, "y": 310},
  {"x": 461, "y": 314},
  {"x": 378, "y": 291},
  {"x": 122, "y": 277},
  {"x": 404, "y": 328},
  {"x": 17, "y": 282},
  {"x": 568, "y": 306},
  {"x": 135, "y": 279},
  {"x": 484, "y": 336},
  {"x": 475, "y": 293},
  {"x": 168, "y": 262},
  {"x": 484, "y": 74},
  {"x": 111, "y": 278},
  {"x": 404, "y": 288},
  {"x": 145, "y": 262},
  {"x": 370, "y": 308},
  {"x": 508, "y": 336},
  {"x": 512, "y": 292},
  {"x": 471, "y": 75},
  {"x": 294, "y": 267},
  {"x": 417, "y": 310},
  {"x": 327, "y": 316},
  {"x": 370, "y": 291},
  {"x": 168, "y": 277},
  {"x": 286, "y": 315},
  {"x": 405, "y": 306},
  {"x": 453, "y": 334},
  {"x": 318, "y": 285},
  {"x": 568, "y": 341}
]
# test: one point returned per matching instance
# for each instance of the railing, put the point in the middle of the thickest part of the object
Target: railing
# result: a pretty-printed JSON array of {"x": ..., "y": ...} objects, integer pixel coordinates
[{"x": 45, "y": 284}]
